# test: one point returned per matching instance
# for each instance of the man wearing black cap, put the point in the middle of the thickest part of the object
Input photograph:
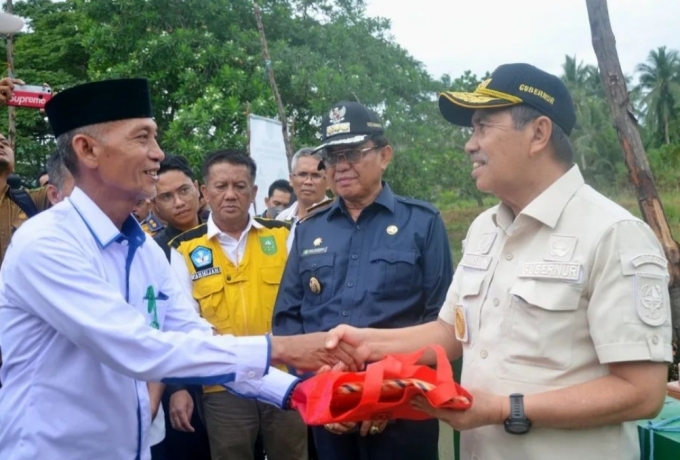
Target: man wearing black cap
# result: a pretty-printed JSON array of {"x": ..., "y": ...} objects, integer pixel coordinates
[
  {"x": 560, "y": 304},
  {"x": 369, "y": 259},
  {"x": 84, "y": 296}
]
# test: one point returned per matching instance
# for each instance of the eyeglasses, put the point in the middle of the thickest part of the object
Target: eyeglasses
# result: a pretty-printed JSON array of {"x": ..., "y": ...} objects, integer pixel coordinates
[
  {"x": 183, "y": 193},
  {"x": 351, "y": 155},
  {"x": 303, "y": 176}
]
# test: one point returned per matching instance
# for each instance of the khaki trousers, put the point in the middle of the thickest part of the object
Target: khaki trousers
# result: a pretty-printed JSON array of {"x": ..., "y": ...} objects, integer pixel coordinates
[{"x": 233, "y": 423}]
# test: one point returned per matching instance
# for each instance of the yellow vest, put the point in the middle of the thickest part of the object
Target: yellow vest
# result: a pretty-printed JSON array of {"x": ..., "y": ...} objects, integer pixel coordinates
[{"x": 237, "y": 300}]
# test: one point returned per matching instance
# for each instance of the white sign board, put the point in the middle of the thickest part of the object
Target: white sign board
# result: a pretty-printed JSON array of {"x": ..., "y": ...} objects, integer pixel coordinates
[{"x": 269, "y": 152}]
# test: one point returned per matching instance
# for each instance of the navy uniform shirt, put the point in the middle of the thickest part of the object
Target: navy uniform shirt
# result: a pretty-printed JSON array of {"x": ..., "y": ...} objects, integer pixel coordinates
[{"x": 391, "y": 268}]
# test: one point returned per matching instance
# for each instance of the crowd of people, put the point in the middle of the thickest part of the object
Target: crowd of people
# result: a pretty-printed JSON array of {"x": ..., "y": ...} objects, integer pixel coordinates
[{"x": 190, "y": 346}]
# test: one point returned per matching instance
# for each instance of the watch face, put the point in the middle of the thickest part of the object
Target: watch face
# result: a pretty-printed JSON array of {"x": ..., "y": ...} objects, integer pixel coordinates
[{"x": 517, "y": 426}]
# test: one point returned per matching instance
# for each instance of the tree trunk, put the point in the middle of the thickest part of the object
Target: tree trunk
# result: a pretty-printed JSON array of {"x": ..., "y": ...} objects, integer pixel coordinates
[
  {"x": 272, "y": 82},
  {"x": 635, "y": 157}
]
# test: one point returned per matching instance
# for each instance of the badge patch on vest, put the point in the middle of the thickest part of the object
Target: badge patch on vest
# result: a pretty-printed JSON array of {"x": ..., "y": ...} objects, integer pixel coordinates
[
  {"x": 475, "y": 261},
  {"x": 651, "y": 298},
  {"x": 485, "y": 244},
  {"x": 268, "y": 245},
  {"x": 207, "y": 272},
  {"x": 560, "y": 248},
  {"x": 547, "y": 270},
  {"x": 201, "y": 257}
]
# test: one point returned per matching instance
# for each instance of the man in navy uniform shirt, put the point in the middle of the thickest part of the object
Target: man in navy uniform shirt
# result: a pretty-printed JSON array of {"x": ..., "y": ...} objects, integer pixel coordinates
[{"x": 368, "y": 259}]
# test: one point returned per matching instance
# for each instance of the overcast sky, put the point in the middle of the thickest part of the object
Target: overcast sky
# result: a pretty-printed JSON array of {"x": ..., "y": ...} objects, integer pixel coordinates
[{"x": 451, "y": 36}]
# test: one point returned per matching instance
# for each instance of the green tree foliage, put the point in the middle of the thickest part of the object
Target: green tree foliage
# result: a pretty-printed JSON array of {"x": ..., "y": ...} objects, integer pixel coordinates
[
  {"x": 660, "y": 84},
  {"x": 204, "y": 61},
  {"x": 53, "y": 53}
]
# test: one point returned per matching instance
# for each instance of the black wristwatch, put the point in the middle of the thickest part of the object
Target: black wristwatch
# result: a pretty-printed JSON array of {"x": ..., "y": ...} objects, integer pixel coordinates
[{"x": 517, "y": 423}]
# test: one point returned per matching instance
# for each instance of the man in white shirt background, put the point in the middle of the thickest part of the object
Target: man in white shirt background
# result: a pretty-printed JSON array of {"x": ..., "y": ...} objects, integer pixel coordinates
[{"x": 309, "y": 184}]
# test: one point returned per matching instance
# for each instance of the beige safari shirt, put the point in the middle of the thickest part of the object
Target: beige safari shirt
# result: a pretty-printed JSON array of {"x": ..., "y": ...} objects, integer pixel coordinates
[{"x": 549, "y": 299}]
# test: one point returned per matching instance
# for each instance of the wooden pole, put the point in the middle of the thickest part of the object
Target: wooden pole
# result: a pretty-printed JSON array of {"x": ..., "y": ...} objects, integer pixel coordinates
[
  {"x": 272, "y": 82},
  {"x": 11, "y": 110},
  {"x": 639, "y": 172}
]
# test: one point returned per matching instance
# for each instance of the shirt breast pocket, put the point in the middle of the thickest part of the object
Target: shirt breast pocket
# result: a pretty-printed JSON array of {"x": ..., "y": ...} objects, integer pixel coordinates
[
  {"x": 271, "y": 280},
  {"x": 541, "y": 320},
  {"x": 393, "y": 273},
  {"x": 316, "y": 273}
]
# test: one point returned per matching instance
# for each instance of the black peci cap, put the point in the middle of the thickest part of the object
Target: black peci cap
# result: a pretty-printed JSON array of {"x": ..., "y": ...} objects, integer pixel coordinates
[{"x": 99, "y": 102}]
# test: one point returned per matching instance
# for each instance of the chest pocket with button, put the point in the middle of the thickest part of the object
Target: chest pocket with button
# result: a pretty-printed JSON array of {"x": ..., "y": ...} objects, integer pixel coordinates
[
  {"x": 319, "y": 267},
  {"x": 209, "y": 293},
  {"x": 541, "y": 323},
  {"x": 271, "y": 279},
  {"x": 393, "y": 273}
]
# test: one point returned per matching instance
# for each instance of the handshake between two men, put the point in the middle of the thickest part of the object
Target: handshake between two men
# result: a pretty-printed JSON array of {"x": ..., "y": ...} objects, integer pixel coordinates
[
  {"x": 344, "y": 350},
  {"x": 404, "y": 386}
]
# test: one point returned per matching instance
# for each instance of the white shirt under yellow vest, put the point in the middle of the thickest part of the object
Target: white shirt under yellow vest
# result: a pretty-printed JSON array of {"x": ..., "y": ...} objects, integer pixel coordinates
[{"x": 233, "y": 282}]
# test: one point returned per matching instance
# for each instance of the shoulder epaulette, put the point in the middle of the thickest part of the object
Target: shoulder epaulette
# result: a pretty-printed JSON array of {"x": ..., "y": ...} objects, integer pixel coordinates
[
  {"x": 272, "y": 223},
  {"x": 318, "y": 208},
  {"x": 154, "y": 224},
  {"x": 189, "y": 235},
  {"x": 421, "y": 204}
]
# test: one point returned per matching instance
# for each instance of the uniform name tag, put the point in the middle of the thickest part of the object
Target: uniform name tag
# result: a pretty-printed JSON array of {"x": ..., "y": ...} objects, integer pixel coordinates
[
  {"x": 311, "y": 252},
  {"x": 649, "y": 259},
  {"x": 548, "y": 270},
  {"x": 204, "y": 273},
  {"x": 475, "y": 261}
]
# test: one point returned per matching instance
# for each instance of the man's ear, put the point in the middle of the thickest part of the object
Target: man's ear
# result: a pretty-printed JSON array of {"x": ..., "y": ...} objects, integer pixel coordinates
[
  {"x": 52, "y": 194},
  {"x": 386, "y": 154},
  {"x": 541, "y": 132},
  {"x": 87, "y": 150}
]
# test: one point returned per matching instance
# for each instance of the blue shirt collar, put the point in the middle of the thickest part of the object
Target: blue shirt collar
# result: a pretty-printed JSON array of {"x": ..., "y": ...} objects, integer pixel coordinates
[
  {"x": 385, "y": 199},
  {"x": 100, "y": 225}
]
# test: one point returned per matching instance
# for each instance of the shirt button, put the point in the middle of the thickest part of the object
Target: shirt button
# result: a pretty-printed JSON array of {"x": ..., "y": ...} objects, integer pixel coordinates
[
  {"x": 251, "y": 375},
  {"x": 358, "y": 227},
  {"x": 484, "y": 354},
  {"x": 313, "y": 265},
  {"x": 350, "y": 284},
  {"x": 655, "y": 339},
  {"x": 509, "y": 256},
  {"x": 228, "y": 278},
  {"x": 496, "y": 302},
  {"x": 345, "y": 313},
  {"x": 355, "y": 257}
]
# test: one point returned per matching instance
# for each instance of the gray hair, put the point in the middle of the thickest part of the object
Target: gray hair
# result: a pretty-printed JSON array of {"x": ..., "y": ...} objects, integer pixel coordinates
[
  {"x": 68, "y": 156},
  {"x": 564, "y": 152},
  {"x": 56, "y": 171},
  {"x": 303, "y": 152}
]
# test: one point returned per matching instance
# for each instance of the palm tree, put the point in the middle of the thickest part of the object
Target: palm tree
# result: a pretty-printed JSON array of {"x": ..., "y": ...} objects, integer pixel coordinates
[
  {"x": 660, "y": 84},
  {"x": 580, "y": 77}
]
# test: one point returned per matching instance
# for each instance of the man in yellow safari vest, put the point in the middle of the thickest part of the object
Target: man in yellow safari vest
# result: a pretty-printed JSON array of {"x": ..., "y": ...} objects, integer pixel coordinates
[{"x": 233, "y": 265}]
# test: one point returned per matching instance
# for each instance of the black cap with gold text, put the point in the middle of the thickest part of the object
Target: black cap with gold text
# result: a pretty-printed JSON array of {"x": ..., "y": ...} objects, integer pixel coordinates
[{"x": 510, "y": 85}]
